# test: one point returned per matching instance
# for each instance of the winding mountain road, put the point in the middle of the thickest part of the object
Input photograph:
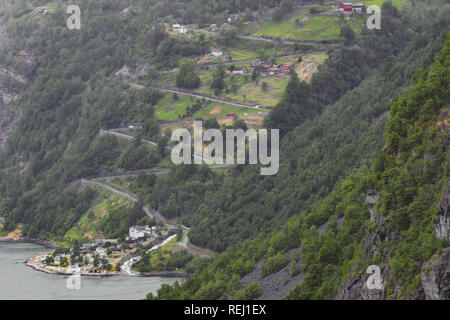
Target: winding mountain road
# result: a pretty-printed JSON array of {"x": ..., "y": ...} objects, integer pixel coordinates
[
  {"x": 199, "y": 96},
  {"x": 258, "y": 38},
  {"x": 202, "y": 96},
  {"x": 130, "y": 137},
  {"x": 151, "y": 213},
  {"x": 296, "y": 54}
]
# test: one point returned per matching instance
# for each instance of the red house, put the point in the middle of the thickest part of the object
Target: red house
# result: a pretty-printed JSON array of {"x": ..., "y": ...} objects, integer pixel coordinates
[{"x": 346, "y": 7}]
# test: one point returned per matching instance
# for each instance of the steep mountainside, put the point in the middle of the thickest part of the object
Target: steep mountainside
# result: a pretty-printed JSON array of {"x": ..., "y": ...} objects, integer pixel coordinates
[
  {"x": 384, "y": 216},
  {"x": 364, "y": 166},
  {"x": 13, "y": 81}
]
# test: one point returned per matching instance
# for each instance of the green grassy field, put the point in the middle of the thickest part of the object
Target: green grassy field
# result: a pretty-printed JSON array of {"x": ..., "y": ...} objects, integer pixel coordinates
[
  {"x": 168, "y": 109},
  {"x": 89, "y": 225},
  {"x": 323, "y": 26},
  {"x": 216, "y": 110},
  {"x": 239, "y": 54},
  {"x": 250, "y": 93},
  {"x": 313, "y": 28},
  {"x": 397, "y": 3}
]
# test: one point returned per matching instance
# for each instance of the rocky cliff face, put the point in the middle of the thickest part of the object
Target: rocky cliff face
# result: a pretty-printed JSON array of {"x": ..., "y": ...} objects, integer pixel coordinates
[
  {"x": 436, "y": 276},
  {"x": 435, "y": 273},
  {"x": 9, "y": 109},
  {"x": 12, "y": 84},
  {"x": 355, "y": 287},
  {"x": 442, "y": 221}
]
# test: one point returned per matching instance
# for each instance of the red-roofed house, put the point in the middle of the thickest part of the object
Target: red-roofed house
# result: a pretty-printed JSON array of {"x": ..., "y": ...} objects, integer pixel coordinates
[
  {"x": 239, "y": 70},
  {"x": 346, "y": 7}
]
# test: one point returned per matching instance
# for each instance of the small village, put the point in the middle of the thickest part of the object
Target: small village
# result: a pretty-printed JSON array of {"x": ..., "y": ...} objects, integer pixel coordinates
[{"x": 103, "y": 257}]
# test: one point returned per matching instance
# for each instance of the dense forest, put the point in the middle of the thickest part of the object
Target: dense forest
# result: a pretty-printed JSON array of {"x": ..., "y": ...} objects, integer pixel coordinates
[{"x": 72, "y": 96}]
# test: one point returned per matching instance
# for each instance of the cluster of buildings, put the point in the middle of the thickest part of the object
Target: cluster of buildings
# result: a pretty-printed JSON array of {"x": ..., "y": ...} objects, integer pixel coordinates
[
  {"x": 179, "y": 28},
  {"x": 87, "y": 267},
  {"x": 264, "y": 69},
  {"x": 349, "y": 8},
  {"x": 139, "y": 233},
  {"x": 100, "y": 255},
  {"x": 39, "y": 263},
  {"x": 102, "y": 243}
]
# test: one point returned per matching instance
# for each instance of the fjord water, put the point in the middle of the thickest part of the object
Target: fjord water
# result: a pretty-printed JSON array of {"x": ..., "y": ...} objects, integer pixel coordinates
[{"x": 17, "y": 281}]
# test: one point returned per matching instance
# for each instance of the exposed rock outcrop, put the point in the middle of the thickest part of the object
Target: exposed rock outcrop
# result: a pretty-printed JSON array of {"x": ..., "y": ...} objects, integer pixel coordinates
[
  {"x": 9, "y": 112},
  {"x": 372, "y": 198},
  {"x": 436, "y": 276},
  {"x": 12, "y": 83},
  {"x": 442, "y": 220},
  {"x": 141, "y": 69},
  {"x": 275, "y": 286},
  {"x": 355, "y": 286}
]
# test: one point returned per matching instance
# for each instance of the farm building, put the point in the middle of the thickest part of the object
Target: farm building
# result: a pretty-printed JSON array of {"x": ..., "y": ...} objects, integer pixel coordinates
[
  {"x": 41, "y": 10},
  {"x": 357, "y": 7},
  {"x": 239, "y": 70},
  {"x": 346, "y": 7},
  {"x": 182, "y": 30},
  {"x": 216, "y": 52}
]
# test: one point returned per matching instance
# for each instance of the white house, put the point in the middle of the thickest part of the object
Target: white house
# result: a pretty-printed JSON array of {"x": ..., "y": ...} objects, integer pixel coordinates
[
  {"x": 41, "y": 10},
  {"x": 89, "y": 258},
  {"x": 182, "y": 30},
  {"x": 176, "y": 26},
  {"x": 216, "y": 52},
  {"x": 101, "y": 252},
  {"x": 357, "y": 7},
  {"x": 137, "y": 232},
  {"x": 238, "y": 70}
]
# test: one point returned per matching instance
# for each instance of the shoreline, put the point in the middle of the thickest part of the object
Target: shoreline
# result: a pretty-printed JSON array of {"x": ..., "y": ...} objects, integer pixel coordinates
[
  {"x": 45, "y": 243},
  {"x": 30, "y": 263},
  {"x": 167, "y": 274}
]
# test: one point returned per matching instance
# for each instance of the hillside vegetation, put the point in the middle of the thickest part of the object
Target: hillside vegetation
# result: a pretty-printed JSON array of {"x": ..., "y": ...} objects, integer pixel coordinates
[
  {"x": 410, "y": 187},
  {"x": 367, "y": 124}
]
